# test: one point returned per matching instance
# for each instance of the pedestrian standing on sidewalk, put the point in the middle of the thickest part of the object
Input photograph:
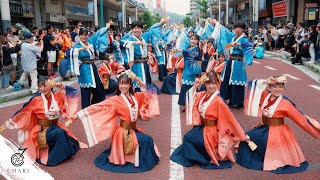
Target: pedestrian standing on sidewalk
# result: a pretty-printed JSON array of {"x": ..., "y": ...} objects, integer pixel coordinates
[
  {"x": 12, "y": 41},
  {"x": 299, "y": 35},
  {"x": 313, "y": 41},
  {"x": 29, "y": 62},
  {"x": 7, "y": 63},
  {"x": 317, "y": 47},
  {"x": 49, "y": 53}
]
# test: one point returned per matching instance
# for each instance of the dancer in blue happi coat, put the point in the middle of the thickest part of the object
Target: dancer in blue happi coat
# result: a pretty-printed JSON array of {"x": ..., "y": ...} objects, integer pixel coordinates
[
  {"x": 191, "y": 68},
  {"x": 234, "y": 75},
  {"x": 137, "y": 45},
  {"x": 121, "y": 54},
  {"x": 82, "y": 58},
  {"x": 159, "y": 49}
]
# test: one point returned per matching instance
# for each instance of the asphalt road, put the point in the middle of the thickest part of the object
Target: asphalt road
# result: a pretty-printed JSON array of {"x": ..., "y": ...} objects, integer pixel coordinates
[{"x": 165, "y": 130}]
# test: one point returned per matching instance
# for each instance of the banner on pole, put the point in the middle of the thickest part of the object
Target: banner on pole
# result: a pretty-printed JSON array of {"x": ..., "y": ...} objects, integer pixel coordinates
[
  {"x": 262, "y": 5},
  {"x": 90, "y": 8},
  {"x": 120, "y": 16}
]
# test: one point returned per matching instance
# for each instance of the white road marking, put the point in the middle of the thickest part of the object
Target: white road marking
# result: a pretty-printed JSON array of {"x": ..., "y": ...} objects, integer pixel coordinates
[
  {"x": 315, "y": 87},
  {"x": 292, "y": 77},
  {"x": 271, "y": 68},
  {"x": 256, "y": 62},
  {"x": 176, "y": 170}
]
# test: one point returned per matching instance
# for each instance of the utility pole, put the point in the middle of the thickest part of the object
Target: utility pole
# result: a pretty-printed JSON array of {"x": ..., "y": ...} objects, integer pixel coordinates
[
  {"x": 136, "y": 9},
  {"x": 124, "y": 19},
  {"x": 255, "y": 16},
  {"x": 227, "y": 12},
  {"x": 101, "y": 13},
  {"x": 95, "y": 11},
  {"x": 219, "y": 11},
  {"x": 5, "y": 14}
]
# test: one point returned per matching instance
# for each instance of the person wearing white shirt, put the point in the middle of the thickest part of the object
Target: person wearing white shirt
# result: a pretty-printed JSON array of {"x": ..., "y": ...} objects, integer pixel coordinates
[{"x": 29, "y": 53}]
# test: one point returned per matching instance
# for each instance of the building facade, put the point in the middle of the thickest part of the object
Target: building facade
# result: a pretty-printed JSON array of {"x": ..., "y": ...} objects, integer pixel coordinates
[
  {"x": 193, "y": 6},
  {"x": 62, "y": 13}
]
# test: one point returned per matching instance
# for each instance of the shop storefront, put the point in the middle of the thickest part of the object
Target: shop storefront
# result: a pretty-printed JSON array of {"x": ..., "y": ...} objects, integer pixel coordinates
[
  {"x": 311, "y": 13},
  {"x": 279, "y": 12},
  {"x": 265, "y": 12},
  {"x": 22, "y": 13},
  {"x": 243, "y": 13},
  {"x": 78, "y": 13}
]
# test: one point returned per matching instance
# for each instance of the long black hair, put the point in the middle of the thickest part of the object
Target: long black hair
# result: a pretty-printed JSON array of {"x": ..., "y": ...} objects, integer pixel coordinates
[
  {"x": 83, "y": 31},
  {"x": 137, "y": 24},
  {"x": 195, "y": 35},
  {"x": 124, "y": 78}
]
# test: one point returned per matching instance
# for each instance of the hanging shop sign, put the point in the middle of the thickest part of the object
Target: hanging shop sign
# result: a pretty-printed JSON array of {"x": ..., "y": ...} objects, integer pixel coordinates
[
  {"x": 28, "y": 10},
  {"x": 16, "y": 9},
  {"x": 279, "y": 9},
  {"x": 57, "y": 18}
]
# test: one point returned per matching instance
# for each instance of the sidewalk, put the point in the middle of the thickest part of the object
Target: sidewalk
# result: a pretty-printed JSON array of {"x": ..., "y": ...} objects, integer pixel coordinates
[
  {"x": 313, "y": 67},
  {"x": 9, "y": 95}
]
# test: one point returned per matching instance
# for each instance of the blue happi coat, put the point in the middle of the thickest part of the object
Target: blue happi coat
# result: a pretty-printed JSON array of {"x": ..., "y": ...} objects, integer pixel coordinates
[
  {"x": 121, "y": 54},
  {"x": 224, "y": 36},
  {"x": 190, "y": 55},
  {"x": 141, "y": 52},
  {"x": 77, "y": 54},
  {"x": 160, "y": 52}
]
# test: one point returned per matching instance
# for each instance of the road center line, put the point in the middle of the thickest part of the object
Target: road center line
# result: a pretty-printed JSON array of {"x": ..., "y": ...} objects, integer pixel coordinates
[
  {"x": 315, "y": 87},
  {"x": 292, "y": 77},
  {"x": 176, "y": 170},
  {"x": 271, "y": 68}
]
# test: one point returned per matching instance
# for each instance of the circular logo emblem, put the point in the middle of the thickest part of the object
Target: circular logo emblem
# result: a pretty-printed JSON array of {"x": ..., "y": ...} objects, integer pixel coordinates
[{"x": 17, "y": 159}]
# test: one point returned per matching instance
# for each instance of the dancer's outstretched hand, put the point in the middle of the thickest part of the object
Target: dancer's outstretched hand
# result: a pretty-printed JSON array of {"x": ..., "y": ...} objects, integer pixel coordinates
[{"x": 2, "y": 128}]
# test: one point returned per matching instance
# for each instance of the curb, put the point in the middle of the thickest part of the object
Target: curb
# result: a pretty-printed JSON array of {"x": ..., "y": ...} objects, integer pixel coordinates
[
  {"x": 13, "y": 95},
  {"x": 313, "y": 67}
]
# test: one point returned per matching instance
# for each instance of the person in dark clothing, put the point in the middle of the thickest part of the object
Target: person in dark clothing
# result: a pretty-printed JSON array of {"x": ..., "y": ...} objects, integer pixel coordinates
[
  {"x": 290, "y": 34},
  {"x": 288, "y": 50},
  {"x": 6, "y": 64},
  {"x": 313, "y": 41},
  {"x": 73, "y": 33},
  {"x": 49, "y": 53},
  {"x": 304, "y": 51}
]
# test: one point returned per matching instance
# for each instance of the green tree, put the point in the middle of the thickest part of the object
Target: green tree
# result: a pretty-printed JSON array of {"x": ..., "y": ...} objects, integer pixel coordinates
[
  {"x": 203, "y": 4},
  {"x": 187, "y": 22},
  {"x": 156, "y": 18},
  {"x": 147, "y": 19}
]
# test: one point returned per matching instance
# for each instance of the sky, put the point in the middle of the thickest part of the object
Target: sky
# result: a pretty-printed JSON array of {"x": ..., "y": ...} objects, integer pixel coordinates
[{"x": 177, "y": 6}]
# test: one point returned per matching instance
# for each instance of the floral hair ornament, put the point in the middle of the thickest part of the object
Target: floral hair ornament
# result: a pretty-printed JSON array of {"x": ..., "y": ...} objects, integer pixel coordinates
[
  {"x": 128, "y": 72},
  {"x": 203, "y": 78},
  {"x": 50, "y": 82},
  {"x": 111, "y": 58},
  {"x": 279, "y": 79}
]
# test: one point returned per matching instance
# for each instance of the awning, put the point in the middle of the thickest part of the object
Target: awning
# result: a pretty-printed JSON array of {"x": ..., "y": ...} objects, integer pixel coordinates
[{"x": 311, "y": 5}]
